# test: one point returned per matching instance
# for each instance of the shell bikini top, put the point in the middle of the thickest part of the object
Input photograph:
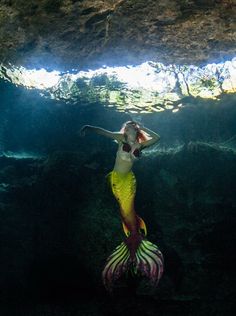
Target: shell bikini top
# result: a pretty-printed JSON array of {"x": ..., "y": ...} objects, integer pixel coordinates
[{"x": 126, "y": 153}]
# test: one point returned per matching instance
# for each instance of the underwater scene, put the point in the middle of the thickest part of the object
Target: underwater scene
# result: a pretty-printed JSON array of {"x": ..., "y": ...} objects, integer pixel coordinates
[{"x": 74, "y": 175}]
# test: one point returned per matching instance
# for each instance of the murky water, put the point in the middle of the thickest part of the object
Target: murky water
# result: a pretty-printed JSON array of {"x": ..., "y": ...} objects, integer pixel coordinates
[{"x": 59, "y": 221}]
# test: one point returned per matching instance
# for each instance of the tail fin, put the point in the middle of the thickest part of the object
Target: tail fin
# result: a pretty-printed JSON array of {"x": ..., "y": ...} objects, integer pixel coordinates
[
  {"x": 150, "y": 261},
  {"x": 147, "y": 262},
  {"x": 117, "y": 263}
]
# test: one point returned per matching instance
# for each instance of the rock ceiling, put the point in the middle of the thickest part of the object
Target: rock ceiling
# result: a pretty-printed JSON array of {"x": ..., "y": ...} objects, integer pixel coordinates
[{"x": 67, "y": 34}]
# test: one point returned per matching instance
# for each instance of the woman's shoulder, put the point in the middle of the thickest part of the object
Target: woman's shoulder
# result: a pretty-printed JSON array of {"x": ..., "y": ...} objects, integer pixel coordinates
[{"x": 120, "y": 138}]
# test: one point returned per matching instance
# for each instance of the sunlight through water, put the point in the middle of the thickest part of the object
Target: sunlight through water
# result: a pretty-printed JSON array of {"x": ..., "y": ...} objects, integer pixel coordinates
[{"x": 149, "y": 87}]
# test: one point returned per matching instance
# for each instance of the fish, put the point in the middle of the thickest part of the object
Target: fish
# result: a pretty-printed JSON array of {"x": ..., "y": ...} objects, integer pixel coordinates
[{"x": 135, "y": 253}]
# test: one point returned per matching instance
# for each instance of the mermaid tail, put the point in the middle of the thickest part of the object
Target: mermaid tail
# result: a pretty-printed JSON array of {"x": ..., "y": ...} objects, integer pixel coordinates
[
  {"x": 141, "y": 224},
  {"x": 147, "y": 262},
  {"x": 135, "y": 252}
]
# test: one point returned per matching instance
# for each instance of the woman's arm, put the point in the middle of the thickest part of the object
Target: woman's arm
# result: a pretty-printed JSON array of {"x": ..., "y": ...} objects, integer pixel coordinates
[
  {"x": 154, "y": 137},
  {"x": 101, "y": 131}
]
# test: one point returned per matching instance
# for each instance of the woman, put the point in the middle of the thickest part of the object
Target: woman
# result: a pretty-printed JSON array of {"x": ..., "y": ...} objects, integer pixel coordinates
[{"x": 135, "y": 252}]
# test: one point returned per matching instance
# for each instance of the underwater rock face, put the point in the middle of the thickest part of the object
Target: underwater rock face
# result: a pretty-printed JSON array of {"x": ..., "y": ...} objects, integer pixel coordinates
[
  {"x": 58, "y": 229},
  {"x": 68, "y": 34}
]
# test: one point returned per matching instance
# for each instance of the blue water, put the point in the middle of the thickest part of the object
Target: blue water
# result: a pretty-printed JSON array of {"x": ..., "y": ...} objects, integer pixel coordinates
[{"x": 59, "y": 221}]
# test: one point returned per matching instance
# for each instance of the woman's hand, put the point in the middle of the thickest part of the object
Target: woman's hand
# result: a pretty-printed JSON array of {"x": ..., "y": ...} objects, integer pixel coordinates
[{"x": 84, "y": 129}]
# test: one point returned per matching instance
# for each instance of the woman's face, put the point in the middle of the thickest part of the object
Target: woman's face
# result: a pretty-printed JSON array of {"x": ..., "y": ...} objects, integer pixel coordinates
[{"x": 131, "y": 132}]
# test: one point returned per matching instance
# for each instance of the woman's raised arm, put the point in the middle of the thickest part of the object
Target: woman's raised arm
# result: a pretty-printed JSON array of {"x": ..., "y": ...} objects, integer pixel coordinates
[
  {"x": 101, "y": 131},
  {"x": 154, "y": 137}
]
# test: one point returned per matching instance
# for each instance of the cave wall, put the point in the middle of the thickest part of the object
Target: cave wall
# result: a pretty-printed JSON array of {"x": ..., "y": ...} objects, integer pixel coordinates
[{"x": 66, "y": 34}]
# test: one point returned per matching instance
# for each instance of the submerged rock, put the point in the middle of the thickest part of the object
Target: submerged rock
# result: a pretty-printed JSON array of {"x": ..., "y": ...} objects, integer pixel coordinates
[{"x": 73, "y": 224}]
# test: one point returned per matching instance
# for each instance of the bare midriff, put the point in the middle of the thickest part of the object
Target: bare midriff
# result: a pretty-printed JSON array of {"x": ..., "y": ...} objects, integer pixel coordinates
[{"x": 122, "y": 166}]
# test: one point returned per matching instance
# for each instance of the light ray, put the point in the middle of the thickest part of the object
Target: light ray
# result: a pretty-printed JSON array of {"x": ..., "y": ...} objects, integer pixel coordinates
[{"x": 149, "y": 87}]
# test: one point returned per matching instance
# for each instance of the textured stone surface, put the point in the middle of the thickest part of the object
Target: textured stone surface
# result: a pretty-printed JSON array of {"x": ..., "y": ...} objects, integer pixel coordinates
[{"x": 69, "y": 34}]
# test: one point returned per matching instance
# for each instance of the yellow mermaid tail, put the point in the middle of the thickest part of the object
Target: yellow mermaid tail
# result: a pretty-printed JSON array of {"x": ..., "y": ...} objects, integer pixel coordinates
[{"x": 135, "y": 252}]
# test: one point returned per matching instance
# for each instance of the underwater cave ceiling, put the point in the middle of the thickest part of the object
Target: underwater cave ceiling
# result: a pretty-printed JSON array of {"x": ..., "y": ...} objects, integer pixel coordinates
[{"x": 67, "y": 34}]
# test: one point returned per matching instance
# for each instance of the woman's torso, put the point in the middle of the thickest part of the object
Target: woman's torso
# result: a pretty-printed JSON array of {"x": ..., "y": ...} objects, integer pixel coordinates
[{"x": 126, "y": 155}]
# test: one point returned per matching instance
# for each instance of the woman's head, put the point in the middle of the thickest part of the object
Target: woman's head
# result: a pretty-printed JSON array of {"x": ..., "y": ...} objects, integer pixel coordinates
[{"x": 133, "y": 132}]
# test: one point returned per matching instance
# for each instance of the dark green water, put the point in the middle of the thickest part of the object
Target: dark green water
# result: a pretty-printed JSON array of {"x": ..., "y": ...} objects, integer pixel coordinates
[{"x": 59, "y": 220}]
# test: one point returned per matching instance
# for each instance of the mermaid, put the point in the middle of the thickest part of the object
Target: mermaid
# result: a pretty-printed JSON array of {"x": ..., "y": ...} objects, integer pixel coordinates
[{"x": 135, "y": 253}]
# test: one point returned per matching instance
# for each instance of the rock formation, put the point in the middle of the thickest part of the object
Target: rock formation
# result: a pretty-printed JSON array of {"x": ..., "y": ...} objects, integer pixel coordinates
[{"x": 66, "y": 34}]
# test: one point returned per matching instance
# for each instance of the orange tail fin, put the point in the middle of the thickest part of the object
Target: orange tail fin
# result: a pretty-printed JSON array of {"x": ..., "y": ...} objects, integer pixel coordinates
[{"x": 142, "y": 227}]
